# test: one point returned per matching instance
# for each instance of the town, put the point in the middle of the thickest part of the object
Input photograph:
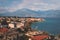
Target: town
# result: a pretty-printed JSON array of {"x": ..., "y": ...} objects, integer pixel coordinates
[{"x": 19, "y": 28}]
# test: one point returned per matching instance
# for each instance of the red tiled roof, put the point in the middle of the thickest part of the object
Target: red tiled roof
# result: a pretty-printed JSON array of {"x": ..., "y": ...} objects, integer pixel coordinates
[
  {"x": 41, "y": 37},
  {"x": 3, "y": 30}
]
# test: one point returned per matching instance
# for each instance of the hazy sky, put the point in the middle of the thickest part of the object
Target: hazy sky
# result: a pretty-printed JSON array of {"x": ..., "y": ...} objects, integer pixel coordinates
[{"x": 13, "y": 5}]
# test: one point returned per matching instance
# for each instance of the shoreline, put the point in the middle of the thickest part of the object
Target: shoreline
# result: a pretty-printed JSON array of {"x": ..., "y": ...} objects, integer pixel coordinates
[{"x": 23, "y": 26}]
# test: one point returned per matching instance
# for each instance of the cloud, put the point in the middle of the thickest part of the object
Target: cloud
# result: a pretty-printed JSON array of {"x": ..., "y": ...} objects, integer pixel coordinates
[
  {"x": 41, "y": 5},
  {"x": 32, "y": 4},
  {"x": 3, "y": 10}
]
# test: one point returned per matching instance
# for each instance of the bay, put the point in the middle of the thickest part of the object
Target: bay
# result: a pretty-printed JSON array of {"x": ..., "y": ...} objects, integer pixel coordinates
[{"x": 51, "y": 25}]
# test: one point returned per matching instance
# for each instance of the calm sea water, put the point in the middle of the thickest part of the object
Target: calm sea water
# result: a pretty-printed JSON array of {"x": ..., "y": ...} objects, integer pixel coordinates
[{"x": 51, "y": 25}]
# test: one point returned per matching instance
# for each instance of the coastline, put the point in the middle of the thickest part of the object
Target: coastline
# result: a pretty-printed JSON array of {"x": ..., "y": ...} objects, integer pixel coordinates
[{"x": 23, "y": 27}]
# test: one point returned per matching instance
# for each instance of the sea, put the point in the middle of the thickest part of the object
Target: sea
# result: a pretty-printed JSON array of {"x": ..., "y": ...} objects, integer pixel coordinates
[{"x": 50, "y": 25}]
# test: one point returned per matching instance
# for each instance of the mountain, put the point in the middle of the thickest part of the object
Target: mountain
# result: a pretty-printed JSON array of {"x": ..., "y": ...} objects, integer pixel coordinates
[
  {"x": 31, "y": 13},
  {"x": 50, "y": 13}
]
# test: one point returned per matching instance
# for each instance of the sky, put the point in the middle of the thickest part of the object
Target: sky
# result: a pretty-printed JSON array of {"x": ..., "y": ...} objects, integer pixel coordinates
[{"x": 43, "y": 5}]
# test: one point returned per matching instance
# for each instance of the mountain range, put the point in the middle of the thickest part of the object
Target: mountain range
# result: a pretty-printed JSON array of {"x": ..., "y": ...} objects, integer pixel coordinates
[{"x": 32, "y": 13}]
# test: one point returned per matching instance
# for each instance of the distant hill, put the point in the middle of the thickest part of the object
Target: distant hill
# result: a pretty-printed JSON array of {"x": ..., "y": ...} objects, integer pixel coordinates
[{"x": 28, "y": 13}]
